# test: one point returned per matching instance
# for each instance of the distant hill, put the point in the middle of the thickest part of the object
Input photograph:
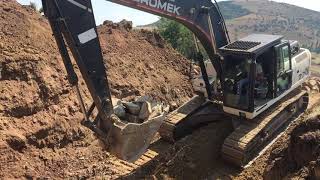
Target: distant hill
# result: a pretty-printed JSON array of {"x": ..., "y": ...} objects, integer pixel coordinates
[
  {"x": 252, "y": 16},
  {"x": 278, "y": 18}
]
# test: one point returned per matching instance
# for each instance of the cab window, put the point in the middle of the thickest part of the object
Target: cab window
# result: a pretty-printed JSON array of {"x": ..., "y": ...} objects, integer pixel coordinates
[
  {"x": 283, "y": 59},
  {"x": 286, "y": 58},
  {"x": 283, "y": 69}
]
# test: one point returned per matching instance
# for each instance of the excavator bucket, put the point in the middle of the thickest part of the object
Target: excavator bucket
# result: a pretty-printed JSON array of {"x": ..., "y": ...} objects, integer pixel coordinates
[{"x": 128, "y": 141}]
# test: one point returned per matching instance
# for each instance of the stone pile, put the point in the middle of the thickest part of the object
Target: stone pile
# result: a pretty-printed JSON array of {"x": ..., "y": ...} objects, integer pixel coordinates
[{"x": 140, "y": 110}]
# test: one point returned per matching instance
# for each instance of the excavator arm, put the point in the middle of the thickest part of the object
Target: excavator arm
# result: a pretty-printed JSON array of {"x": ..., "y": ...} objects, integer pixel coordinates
[
  {"x": 202, "y": 17},
  {"x": 74, "y": 28}
]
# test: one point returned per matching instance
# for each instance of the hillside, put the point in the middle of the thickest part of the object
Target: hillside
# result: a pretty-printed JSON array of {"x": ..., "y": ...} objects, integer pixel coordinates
[
  {"x": 277, "y": 18},
  {"x": 252, "y": 16}
]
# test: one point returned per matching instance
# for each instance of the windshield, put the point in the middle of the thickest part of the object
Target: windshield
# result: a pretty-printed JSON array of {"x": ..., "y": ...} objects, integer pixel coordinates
[{"x": 236, "y": 82}]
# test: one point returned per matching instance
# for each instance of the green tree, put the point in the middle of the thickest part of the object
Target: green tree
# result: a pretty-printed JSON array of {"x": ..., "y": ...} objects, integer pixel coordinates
[{"x": 177, "y": 35}]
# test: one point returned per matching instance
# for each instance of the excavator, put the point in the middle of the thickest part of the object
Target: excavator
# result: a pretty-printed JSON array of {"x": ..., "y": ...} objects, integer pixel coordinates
[{"x": 257, "y": 84}]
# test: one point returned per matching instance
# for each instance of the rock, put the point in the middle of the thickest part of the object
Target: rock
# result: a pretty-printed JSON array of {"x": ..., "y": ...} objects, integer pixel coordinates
[
  {"x": 315, "y": 89},
  {"x": 173, "y": 105},
  {"x": 116, "y": 92},
  {"x": 166, "y": 109},
  {"x": 156, "y": 111},
  {"x": 16, "y": 141},
  {"x": 7, "y": 9},
  {"x": 145, "y": 111},
  {"x": 150, "y": 66},
  {"x": 120, "y": 111},
  {"x": 72, "y": 109},
  {"x": 116, "y": 101},
  {"x": 144, "y": 99},
  {"x": 164, "y": 90},
  {"x": 132, "y": 108},
  {"x": 312, "y": 82},
  {"x": 132, "y": 118},
  {"x": 55, "y": 108},
  {"x": 126, "y": 24},
  {"x": 28, "y": 50},
  {"x": 307, "y": 88},
  {"x": 107, "y": 23}
]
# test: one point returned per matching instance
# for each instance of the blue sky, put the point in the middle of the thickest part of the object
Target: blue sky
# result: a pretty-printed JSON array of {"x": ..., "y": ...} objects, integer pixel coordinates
[{"x": 105, "y": 10}]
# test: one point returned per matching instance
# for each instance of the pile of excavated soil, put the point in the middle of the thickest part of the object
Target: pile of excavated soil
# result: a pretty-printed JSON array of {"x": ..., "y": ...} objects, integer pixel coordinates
[
  {"x": 300, "y": 157},
  {"x": 40, "y": 131},
  {"x": 140, "y": 63}
]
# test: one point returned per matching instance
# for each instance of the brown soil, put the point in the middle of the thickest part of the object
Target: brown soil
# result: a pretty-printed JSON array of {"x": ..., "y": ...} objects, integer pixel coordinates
[
  {"x": 300, "y": 156},
  {"x": 140, "y": 63},
  {"x": 289, "y": 157},
  {"x": 40, "y": 131}
]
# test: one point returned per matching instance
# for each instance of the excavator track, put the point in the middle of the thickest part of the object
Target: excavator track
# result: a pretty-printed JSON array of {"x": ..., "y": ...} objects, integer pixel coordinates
[
  {"x": 251, "y": 136},
  {"x": 167, "y": 130},
  {"x": 124, "y": 168}
]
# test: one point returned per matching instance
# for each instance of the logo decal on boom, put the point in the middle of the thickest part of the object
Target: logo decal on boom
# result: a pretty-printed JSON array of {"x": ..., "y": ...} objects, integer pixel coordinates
[{"x": 165, "y": 6}]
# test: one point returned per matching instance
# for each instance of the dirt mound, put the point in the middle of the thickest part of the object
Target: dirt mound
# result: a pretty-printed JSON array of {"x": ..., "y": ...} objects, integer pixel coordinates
[
  {"x": 140, "y": 63},
  {"x": 299, "y": 158},
  {"x": 40, "y": 131}
]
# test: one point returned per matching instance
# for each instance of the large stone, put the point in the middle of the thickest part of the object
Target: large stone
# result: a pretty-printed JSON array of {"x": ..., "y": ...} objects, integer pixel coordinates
[
  {"x": 116, "y": 101},
  {"x": 132, "y": 108},
  {"x": 307, "y": 88},
  {"x": 315, "y": 89},
  {"x": 156, "y": 111},
  {"x": 166, "y": 109},
  {"x": 144, "y": 99},
  {"x": 16, "y": 140},
  {"x": 107, "y": 23},
  {"x": 145, "y": 111},
  {"x": 132, "y": 118},
  {"x": 120, "y": 111},
  {"x": 126, "y": 24},
  {"x": 312, "y": 82},
  {"x": 173, "y": 105}
]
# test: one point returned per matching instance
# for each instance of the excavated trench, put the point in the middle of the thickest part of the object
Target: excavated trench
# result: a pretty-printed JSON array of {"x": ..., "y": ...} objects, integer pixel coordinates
[{"x": 302, "y": 153}]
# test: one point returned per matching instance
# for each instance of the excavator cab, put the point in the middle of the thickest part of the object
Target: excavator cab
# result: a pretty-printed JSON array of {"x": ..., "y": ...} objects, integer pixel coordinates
[
  {"x": 250, "y": 67},
  {"x": 259, "y": 71}
]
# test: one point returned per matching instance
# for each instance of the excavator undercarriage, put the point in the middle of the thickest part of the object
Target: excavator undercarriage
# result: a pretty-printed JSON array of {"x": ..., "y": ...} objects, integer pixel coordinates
[{"x": 248, "y": 137}]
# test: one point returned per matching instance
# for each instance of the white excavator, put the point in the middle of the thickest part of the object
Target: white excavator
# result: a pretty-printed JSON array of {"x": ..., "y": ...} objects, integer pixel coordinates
[{"x": 260, "y": 79}]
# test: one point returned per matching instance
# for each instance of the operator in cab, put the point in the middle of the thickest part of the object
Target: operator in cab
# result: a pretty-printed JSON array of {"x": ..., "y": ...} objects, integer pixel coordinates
[{"x": 243, "y": 84}]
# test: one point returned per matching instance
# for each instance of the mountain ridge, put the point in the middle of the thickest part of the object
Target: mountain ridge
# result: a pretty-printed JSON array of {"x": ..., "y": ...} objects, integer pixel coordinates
[{"x": 245, "y": 17}]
